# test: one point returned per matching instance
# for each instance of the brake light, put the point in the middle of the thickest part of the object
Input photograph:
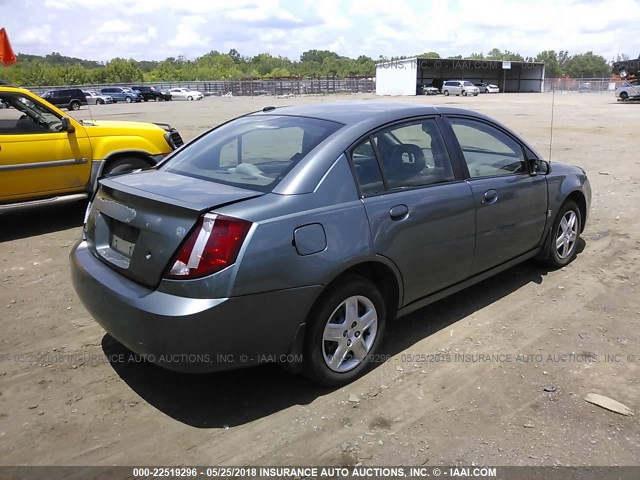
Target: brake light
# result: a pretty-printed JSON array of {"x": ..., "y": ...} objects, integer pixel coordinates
[{"x": 211, "y": 247}]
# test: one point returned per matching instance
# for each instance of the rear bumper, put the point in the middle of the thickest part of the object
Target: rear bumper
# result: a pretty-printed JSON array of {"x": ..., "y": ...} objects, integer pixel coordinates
[{"x": 187, "y": 334}]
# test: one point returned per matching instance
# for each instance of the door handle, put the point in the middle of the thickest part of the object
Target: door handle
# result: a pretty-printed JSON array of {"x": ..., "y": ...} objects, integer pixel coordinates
[
  {"x": 490, "y": 197},
  {"x": 399, "y": 212}
]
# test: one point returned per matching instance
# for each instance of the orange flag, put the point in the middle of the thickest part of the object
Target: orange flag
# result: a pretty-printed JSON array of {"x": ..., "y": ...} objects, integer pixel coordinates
[{"x": 7, "y": 57}]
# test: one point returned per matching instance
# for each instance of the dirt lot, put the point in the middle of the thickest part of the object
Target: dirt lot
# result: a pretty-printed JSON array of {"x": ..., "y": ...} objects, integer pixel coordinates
[{"x": 577, "y": 329}]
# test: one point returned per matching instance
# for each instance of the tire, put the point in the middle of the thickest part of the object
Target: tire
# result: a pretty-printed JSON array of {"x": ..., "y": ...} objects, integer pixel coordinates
[
  {"x": 464, "y": 93},
  {"x": 157, "y": 99},
  {"x": 564, "y": 235},
  {"x": 125, "y": 165},
  {"x": 446, "y": 93},
  {"x": 127, "y": 99},
  {"x": 100, "y": 101},
  {"x": 74, "y": 105},
  {"x": 189, "y": 98},
  {"x": 331, "y": 309},
  {"x": 624, "y": 95}
]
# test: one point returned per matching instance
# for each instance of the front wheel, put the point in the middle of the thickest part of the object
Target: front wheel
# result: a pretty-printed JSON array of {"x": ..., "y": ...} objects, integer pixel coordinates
[
  {"x": 345, "y": 329},
  {"x": 189, "y": 98},
  {"x": 100, "y": 101},
  {"x": 125, "y": 165},
  {"x": 157, "y": 99},
  {"x": 127, "y": 99},
  {"x": 564, "y": 235},
  {"x": 464, "y": 93},
  {"x": 74, "y": 105},
  {"x": 624, "y": 95},
  {"x": 446, "y": 93}
]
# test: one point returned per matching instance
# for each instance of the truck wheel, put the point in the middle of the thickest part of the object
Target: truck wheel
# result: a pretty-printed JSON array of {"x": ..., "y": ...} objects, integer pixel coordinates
[
  {"x": 125, "y": 165},
  {"x": 345, "y": 329}
]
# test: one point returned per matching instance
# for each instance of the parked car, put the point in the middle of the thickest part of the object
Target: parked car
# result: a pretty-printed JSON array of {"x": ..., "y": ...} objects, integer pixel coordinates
[
  {"x": 49, "y": 157},
  {"x": 628, "y": 90},
  {"x": 429, "y": 90},
  {"x": 301, "y": 231},
  {"x": 151, "y": 93},
  {"x": 69, "y": 98},
  {"x": 121, "y": 94},
  {"x": 487, "y": 88},
  {"x": 95, "y": 98},
  {"x": 185, "y": 94},
  {"x": 459, "y": 87}
]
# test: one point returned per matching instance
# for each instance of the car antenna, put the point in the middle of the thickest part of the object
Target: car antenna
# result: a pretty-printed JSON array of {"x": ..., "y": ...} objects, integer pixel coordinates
[{"x": 553, "y": 102}]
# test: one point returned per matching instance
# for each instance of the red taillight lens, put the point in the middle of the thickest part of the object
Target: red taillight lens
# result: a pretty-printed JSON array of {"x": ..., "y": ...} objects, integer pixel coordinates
[{"x": 212, "y": 246}]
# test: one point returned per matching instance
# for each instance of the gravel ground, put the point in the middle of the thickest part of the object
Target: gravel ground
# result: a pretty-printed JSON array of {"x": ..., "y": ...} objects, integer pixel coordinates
[{"x": 465, "y": 379}]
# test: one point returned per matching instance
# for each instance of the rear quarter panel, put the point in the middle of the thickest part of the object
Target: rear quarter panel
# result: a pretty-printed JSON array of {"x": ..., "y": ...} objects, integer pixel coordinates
[{"x": 271, "y": 261}]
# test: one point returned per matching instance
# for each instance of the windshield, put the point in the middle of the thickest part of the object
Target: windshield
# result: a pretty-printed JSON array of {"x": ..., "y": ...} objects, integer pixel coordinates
[
  {"x": 254, "y": 152},
  {"x": 468, "y": 84}
]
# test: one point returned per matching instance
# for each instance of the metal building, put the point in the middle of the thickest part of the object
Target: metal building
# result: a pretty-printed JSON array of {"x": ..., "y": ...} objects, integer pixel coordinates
[{"x": 407, "y": 76}]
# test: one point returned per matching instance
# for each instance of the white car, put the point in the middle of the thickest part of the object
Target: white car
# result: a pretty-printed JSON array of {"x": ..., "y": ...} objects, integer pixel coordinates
[
  {"x": 629, "y": 90},
  {"x": 184, "y": 94},
  {"x": 488, "y": 88},
  {"x": 459, "y": 87},
  {"x": 95, "y": 98}
]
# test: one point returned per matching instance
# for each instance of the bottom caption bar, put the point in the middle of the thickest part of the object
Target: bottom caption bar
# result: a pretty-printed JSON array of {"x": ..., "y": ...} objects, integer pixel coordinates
[{"x": 314, "y": 472}]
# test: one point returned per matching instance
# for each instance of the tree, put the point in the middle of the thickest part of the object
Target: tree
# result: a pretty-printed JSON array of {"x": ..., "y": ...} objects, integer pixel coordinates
[
  {"x": 120, "y": 70},
  {"x": 429, "y": 55},
  {"x": 552, "y": 66},
  {"x": 588, "y": 65}
]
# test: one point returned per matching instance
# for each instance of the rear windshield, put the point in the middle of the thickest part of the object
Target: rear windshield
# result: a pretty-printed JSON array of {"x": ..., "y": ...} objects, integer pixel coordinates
[{"x": 254, "y": 152}]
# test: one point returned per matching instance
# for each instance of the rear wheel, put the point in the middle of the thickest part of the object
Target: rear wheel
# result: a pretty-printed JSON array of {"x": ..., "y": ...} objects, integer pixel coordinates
[
  {"x": 564, "y": 235},
  {"x": 74, "y": 105},
  {"x": 124, "y": 165},
  {"x": 345, "y": 329}
]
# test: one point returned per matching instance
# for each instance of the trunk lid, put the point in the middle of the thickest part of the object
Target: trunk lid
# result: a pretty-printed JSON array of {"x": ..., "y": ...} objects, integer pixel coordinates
[{"x": 138, "y": 221}]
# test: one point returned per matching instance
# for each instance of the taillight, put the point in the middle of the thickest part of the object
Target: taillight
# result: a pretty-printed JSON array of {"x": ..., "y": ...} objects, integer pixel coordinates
[{"x": 212, "y": 246}]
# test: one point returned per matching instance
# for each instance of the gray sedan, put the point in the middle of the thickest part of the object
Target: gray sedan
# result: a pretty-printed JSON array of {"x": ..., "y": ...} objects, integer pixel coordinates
[{"x": 296, "y": 234}]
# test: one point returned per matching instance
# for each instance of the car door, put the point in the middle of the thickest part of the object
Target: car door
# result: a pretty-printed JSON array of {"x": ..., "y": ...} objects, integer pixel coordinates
[
  {"x": 36, "y": 159},
  {"x": 420, "y": 212},
  {"x": 510, "y": 202}
]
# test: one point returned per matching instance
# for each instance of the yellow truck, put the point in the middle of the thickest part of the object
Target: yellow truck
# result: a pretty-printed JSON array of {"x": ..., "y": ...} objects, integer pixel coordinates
[{"x": 46, "y": 156}]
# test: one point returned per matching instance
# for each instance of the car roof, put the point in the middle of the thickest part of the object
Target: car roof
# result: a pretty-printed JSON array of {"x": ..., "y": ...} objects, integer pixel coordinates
[{"x": 364, "y": 112}]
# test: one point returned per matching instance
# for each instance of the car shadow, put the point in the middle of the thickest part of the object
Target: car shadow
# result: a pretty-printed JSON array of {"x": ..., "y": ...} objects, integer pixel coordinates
[
  {"x": 236, "y": 397},
  {"x": 40, "y": 220}
]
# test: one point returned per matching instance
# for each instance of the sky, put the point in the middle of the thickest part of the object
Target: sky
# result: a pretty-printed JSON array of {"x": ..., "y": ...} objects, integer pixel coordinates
[{"x": 157, "y": 29}]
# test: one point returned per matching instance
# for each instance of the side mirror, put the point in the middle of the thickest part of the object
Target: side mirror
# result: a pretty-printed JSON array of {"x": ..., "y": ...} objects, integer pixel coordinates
[
  {"x": 538, "y": 167},
  {"x": 67, "y": 126}
]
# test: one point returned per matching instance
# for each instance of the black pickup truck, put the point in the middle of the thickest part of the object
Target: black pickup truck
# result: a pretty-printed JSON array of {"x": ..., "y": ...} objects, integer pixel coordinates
[{"x": 626, "y": 68}]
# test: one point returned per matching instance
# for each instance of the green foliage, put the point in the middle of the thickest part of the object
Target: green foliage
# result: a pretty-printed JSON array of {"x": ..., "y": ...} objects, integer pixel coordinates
[
  {"x": 57, "y": 69},
  {"x": 552, "y": 66},
  {"x": 587, "y": 65}
]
